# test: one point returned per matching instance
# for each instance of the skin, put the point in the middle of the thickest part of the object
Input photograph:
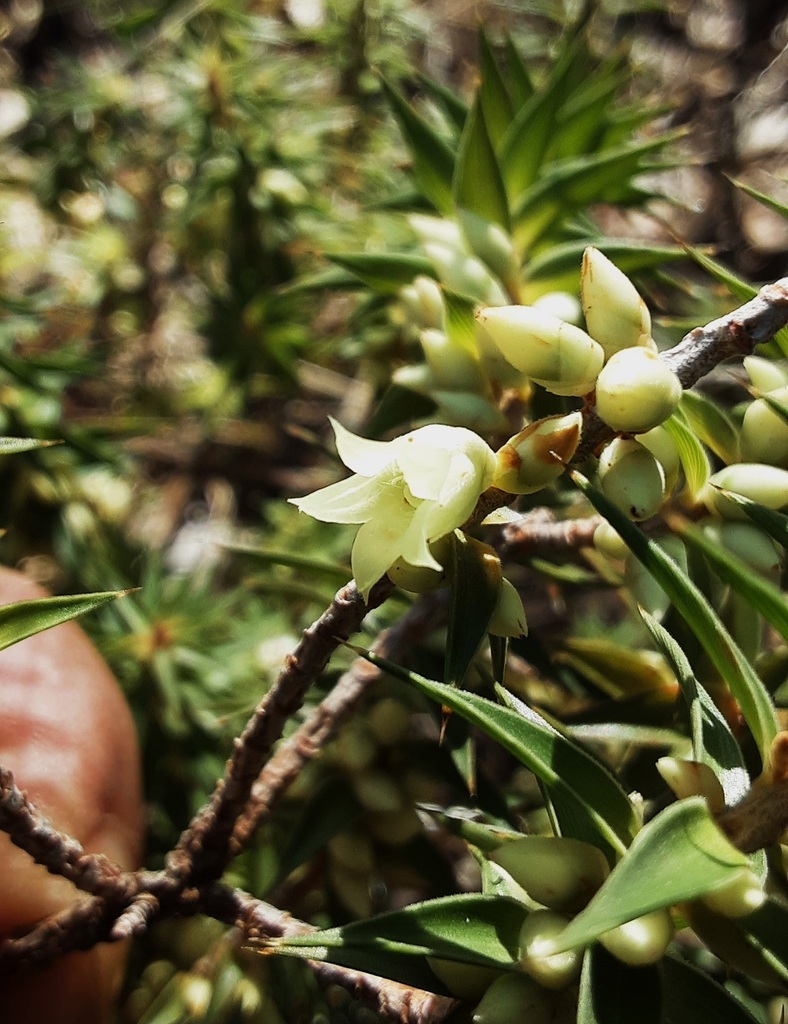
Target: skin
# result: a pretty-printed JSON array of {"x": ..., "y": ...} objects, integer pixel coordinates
[{"x": 67, "y": 734}]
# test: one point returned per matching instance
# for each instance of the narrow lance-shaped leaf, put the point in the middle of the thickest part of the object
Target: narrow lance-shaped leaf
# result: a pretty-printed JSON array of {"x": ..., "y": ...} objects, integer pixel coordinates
[
  {"x": 384, "y": 272},
  {"x": 759, "y": 592},
  {"x": 493, "y": 95},
  {"x": 712, "y": 426},
  {"x": 14, "y": 445},
  {"x": 25, "y": 618},
  {"x": 612, "y": 992},
  {"x": 475, "y": 575},
  {"x": 746, "y": 687},
  {"x": 478, "y": 185},
  {"x": 469, "y": 928},
  {"x": 455, "y": 108},
  {"x": 713, "y": 742},
  {"x": 433, "y": 159},
  {"x": 602, "y": 812},
  {"x": 679, "y": 855},
  {"x": 694, "y": 460},
  {"x": 771, "y": 522}
]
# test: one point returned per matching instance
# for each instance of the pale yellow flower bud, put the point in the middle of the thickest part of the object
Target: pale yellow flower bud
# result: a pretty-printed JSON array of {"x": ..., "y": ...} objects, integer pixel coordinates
[
  {"x": 766, "y": 485},
  {"x": 553, "y": 970},
  {"x": 631, "y": 478},
  {"x": 642, "y": 586},
  {"x": 609, "y": 541},
  {"x": 508, "y": 619},
  {"x": 662, "y": 446},
  {"x": 766, "y": 374},
  {"x": 536, "y": 456},
  {"x": 764, "y": 432},
  {"x": 745, "y": 540},
  {"x": 692, "y": 778},
  {"x": 559, "y": 872},
  {"x": 423, "y": 302},
  {"x": 453, "y": 367},
  {"x": 616, "y": 316},
  {"x": 466, "y": 981},
  {"x": 642, "y": 941},
  {"x": 513, "y": 997},
  {"x": 636, "y": 391},
  {"x": 559, "y": 356},
  {"x": 740, "y": 897},
  {"x": 463, "y": 273}
]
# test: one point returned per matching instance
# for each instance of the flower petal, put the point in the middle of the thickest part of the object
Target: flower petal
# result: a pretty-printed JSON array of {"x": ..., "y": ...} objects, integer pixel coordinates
[
  {"x": 354, "y": 500},
  {"x": 365, "y": 457},
  {"x": 378, "y": 545}
]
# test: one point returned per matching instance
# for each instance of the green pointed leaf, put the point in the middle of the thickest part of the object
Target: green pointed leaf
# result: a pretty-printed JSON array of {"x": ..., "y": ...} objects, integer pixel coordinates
[
  {"x": 679, "y": 855},
  {"x": 470, "y": 928},
  {"x": 572, "y": 184},
  {"x": 712, "y": 426},
  {"x": 612, "y": 992},
  {"x": 744, "y": 684},
  {"x": 692, "y": 997},
  {"x": 478, "y": 185},
  {"x": 776, "y": 405},
  {"x": 557, "y": 268},
  {"x": 523, "y": 148},
  {"x": 771, "y": 522},
  {"x": 493, "y": 95},
  {"x": 601, "y": 810},
  {"x": 25, "y": 618},
  {"x": 713, "y": 743},
  {"x": 760, "y": 593},
  {"x": 518, "y": 80},
  {"x": 384, "y": 272},
  {"x": 399, "y": 405},
  {"x": 14, "y": 445},
  {"x": 583, "y": 119},
  {"x": 693, "y": 458},
  {"x": 459, "y": 322},
  {"x": 475, "y": 576},
  {"x": 767, "y": 930},
  {"x": 433, "y": 158},
  {"x": 455, "y": 108},
  {"x": 766, "y": 200}
]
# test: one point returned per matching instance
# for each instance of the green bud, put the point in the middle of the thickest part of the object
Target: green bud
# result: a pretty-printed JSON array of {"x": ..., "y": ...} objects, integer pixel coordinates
[
  {"x": 764, "y": 432},
  {"x": 561, "y": 304},
  {"x": 766, "y": 485},
  {"x": 641, "y": 584},
  {"x": 466, "y": 981},
  {"x": 766, "y": 374},
  {"x": 631, "y": 478},
  {"x": 741, "y": 896},
  {"x": 642, "y": 941},
  {"x": 425, "y": 301},
  {"x": 559, "y": 872},
  {"x": 752, "y": 545},
  {"x": 559, "y": 356},
  {"x": 609, "y": 541},
  {"x": 616, "y": 316},
  {"x": 508, "y": 619},
  {"x": 453, "y": 366},
  {"x": 536, "y": 456},
  {"x": 513, "y": 998},
  {"x": 553, "y": 970},
  {"x": 660, "y": 443},
  {"x": 491, "y": 244},
  {"x": 420, "y": 579},
  {"x": 692, "y": 778},
  {"x": 636, "y": 391},
  {"x": 464, "y": 274}
]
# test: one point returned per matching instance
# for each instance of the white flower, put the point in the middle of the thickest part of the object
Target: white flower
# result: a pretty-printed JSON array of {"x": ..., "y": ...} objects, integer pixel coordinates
[{"x": 405, "y": 493}]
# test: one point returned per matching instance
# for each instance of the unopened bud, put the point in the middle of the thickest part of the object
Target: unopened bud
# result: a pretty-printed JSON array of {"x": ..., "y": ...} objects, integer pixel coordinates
[
  {"x": 609, "y": 541},
  {"x": 557, "y": 871},
  {"x": 766, "y": 374},
  {"x": 491, "y": 244},
  {"x": 464, "y": 274},
  {"x": 692, "y": 778},
  {"x": 514, "y": 997},
  {"x": 420, "y": 579},
  {"x": 553, "y": 970},
  {"x": 564, "y": 305},
  {"x": 764, "y": 432},
  {"x": 559, "y": 356},
  {"x": 662, "y": 446},
  {"x": 508, "y": 619},
  {"x": 616, "y": 316},
  {"x": 745, "y": 540},
  {"x": 741, "y": 896},
  {"x": 641, "y": 584},
  {"x": 453, "y": 366},
  {"x": 631, "y": 478},
  {"x": 636, "y": 391},
  {"x": 642, "y": 941},
  {"x": 537, "y": 455},
  {"x": 466, "y": 981},
  {"x": 765, "y": 485}
]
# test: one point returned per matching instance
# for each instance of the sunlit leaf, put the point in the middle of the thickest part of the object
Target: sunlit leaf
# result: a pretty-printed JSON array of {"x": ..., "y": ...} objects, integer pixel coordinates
[
  {"x": 694, "y": 460},
  {"x": 433, "y": 159},
  {"x": 711, "y": 424},
  {"x": 679, "y": 855},
  {"x": 478, "y": 185},
  {"x": 24, "y": 618},
  {"x": 600, "y": 809},
  {"x": 493, "y": 94},
  {"x": 737, "y": 672},
  {"x": 13, "y": 445},
  {"x": 384, "y": 272},
  {"x": 766, "y": 200},
  {"x": 713, "y": 742}
]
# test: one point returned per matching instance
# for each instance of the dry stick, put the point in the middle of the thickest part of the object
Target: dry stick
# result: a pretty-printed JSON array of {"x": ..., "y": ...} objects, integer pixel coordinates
[
  {"x": 203, "y": 851},
  {"x": 325, "y": 720},
  {"x": 538, "y": 532}
]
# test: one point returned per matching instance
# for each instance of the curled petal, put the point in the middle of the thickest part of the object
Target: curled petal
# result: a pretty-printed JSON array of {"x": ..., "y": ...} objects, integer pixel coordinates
[
  {"x": 363, "y": 456},
  {"x": 348, "y": 501}
]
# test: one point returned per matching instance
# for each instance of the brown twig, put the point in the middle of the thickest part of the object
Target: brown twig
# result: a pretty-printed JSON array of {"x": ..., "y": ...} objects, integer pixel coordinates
[
  {"x": 325, "y": 720},
  {"x": 538, "y": 532},
  {"x": 204, "y": 849}
]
